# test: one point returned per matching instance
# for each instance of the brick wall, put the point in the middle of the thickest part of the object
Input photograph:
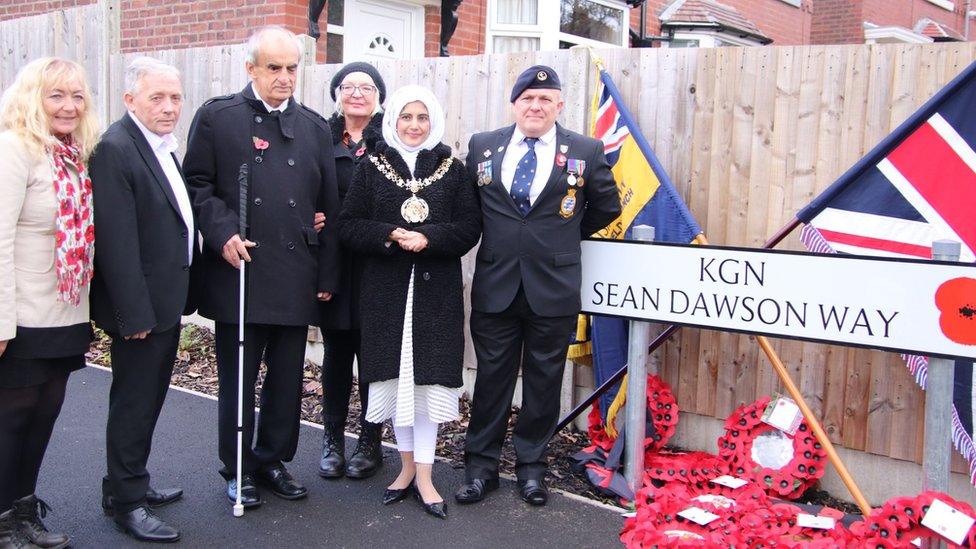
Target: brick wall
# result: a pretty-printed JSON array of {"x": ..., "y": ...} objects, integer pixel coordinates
[
  {"x": 152, "y": 24},
  {"x": 906, "y": 13},
  {"x": 10, "y": 9},
  {"x": 785, "y": 23},
  {"x": 148, "y": 24},
  {"x": 838, "y": 22},
  {"x": 469, "y": 37}
]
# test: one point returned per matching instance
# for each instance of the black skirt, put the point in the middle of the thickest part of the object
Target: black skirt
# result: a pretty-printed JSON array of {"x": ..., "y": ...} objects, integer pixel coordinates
[
  {"x": 17, "y": 373},
  {"x": 38, "y": 355}
]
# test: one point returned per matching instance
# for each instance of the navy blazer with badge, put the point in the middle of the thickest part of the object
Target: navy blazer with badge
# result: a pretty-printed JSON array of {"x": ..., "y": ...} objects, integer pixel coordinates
[
  {"x": 135, "y": 209},
  {"x": 289, "y": 180},
  {"x": 541, "y": 251}
]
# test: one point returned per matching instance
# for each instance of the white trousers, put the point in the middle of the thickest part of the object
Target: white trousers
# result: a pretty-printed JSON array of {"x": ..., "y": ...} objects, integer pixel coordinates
[{"x": 421, "y": 438}]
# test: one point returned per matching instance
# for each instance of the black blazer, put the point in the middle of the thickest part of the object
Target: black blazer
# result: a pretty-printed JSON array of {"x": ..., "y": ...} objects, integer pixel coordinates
[
  {"x": 289, "y": 180},
  {"x": 541, "y": 251},
  {"x": 142, "y": 278}
]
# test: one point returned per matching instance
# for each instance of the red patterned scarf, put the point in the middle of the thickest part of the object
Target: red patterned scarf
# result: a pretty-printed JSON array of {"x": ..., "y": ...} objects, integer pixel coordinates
[{"x": 75, "y": 237}]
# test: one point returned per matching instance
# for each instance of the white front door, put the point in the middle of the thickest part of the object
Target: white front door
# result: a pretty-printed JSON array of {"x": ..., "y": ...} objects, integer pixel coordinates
[{"x": 383, "y": 29}]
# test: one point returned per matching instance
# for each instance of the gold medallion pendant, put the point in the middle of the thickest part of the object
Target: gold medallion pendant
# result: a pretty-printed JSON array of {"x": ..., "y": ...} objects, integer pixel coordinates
[{"x": 414, "y": 210}]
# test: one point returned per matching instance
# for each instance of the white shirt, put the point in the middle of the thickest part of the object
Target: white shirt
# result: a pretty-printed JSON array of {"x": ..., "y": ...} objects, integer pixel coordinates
[
  {"x": 164, "y": 146},
  {"x": 281, "y": 107},
  {"x": 545, "y": 154}
]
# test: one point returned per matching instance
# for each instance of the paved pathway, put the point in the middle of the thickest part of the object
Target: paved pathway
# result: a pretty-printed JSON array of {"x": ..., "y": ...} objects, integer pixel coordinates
[{"x": 342, "y": 513}]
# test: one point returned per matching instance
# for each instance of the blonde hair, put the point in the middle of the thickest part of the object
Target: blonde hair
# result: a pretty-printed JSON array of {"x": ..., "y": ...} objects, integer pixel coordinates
[{"x": 22, "y": 108}]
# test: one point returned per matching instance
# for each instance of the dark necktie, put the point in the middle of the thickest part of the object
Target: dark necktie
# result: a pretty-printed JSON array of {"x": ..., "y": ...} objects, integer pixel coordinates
[{"x": 524, "y": 174}]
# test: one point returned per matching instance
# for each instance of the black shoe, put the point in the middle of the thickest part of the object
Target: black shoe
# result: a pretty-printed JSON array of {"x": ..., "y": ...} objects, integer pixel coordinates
[
  {"x": 333, "y": 462},
  {"x": 475, "y": 490},
  {"x": 28, "y": 512},
  {"x": 281, "y": 482},
  {"x": 11, "y": 536},
  {"x": 393, "y": 495},
  {"x": 368, "y": 456},
  {"x": 249, "y": 492},
  {"x": 155, "y": 498},
  {"x": 143, "y": 525},
  {"x": 438, "y": 509},
  {"x": 533, "y": 492}
]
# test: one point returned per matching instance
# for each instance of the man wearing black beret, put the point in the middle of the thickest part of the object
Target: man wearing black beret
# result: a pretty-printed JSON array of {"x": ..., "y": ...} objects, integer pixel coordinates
[{"x": 542, "y": 189}]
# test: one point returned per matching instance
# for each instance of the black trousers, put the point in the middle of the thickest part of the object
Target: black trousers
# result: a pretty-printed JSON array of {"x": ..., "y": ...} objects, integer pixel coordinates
[
  {"x": 340, "y": 347},
  {"x": 141, "y": 372},
  {"x": 503, "y": 341},
  {"x": 283, "y": 351},
  {"x": 27, "y": 417}
]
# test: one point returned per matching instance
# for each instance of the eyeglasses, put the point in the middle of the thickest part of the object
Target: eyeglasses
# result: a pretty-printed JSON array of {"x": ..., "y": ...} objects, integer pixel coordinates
[{"x": 365, "y": 89}]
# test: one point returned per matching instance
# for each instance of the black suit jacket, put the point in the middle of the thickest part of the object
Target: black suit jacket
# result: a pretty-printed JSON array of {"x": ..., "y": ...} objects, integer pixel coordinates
[
  {"x": 541, "y": 251},
  {"x": 143, "y": 280}
]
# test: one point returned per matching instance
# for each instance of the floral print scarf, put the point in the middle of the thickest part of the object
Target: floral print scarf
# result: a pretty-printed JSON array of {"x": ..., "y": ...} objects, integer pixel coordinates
[{"x": 75, "y": 230}]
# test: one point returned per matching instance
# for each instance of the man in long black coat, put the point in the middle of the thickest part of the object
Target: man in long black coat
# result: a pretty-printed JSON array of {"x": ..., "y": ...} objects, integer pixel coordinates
[
  {"x": 285, "y": 149},
  {"x": 143, "y": 283},
  {"x": 542, "y": 189}
]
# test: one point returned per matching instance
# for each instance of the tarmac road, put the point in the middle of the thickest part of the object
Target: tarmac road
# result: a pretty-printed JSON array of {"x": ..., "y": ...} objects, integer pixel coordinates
[{"x": 337, "y": 513}]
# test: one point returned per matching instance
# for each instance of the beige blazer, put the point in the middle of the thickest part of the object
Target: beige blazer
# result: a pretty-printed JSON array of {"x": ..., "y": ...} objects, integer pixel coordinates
[{"x": 28, "y": 281}]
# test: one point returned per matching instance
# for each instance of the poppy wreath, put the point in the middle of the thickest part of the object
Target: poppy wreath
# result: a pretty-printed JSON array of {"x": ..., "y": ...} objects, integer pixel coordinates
[
  {"x": 899, "y": 521},
  {"x": 777, "y": 525},
  {"x": 662, "y": 412},
  {"x": 656, "y": 522},
  {"x": 685, "y": 467},
  {"x": 785, "y": 476}
]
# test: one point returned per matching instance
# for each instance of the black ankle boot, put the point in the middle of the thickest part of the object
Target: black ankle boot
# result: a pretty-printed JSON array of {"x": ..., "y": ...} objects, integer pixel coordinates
[
  {"x": 10, "y": 535},
  {"x": 28, "y": 512},
  {"x": 333, "y": 463},
  {"x": 368, "y": 457}
]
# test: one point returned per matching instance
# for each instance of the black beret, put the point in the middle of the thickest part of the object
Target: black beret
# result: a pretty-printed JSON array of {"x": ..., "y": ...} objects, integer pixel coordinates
[
  {"x": 358, "y": 66},
  {"x": 535, "y": 77}
]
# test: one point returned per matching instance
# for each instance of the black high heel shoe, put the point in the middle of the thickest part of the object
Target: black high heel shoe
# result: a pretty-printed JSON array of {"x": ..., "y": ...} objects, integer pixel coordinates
[
  {"x": 393, "y": 495},
  {"x": 438, "y": 509}
]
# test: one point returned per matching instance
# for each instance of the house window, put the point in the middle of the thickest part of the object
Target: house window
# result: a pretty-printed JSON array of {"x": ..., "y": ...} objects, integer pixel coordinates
[
  {"x": 335, "y": 36},
  {"x": 707, "y": 39},
  {"x": 532, "y": 25},
  {"x": 592, "y": 20}
]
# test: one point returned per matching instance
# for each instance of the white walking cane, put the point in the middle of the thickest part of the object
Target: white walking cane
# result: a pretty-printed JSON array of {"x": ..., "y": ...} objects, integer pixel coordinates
[{"x": 242, "y": 218}]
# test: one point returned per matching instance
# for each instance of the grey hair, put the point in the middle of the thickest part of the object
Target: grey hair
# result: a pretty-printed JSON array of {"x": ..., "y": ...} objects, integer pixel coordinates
[
  {"x": 142, "y": 66},
  {"x": 377, "y": 108},
  {"x": 254, "y": 42}
]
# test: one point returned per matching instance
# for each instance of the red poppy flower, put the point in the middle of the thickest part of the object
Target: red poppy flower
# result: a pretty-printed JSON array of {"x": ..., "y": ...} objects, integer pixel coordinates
[
  {"x": 956, "y": 300},
  {"x": 260, "y": 144}
]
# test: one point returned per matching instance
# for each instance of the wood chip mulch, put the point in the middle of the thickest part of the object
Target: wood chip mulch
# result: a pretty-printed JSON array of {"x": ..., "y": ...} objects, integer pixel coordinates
[{"x": 196, "y": 369}]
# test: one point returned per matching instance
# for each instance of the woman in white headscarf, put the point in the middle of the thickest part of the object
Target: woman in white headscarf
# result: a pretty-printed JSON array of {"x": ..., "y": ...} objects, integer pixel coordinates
[{"x": 412, "y": 212}]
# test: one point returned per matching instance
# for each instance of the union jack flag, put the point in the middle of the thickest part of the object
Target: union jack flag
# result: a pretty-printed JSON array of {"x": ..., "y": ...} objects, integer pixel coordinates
[{"x": 917, "y": 186}]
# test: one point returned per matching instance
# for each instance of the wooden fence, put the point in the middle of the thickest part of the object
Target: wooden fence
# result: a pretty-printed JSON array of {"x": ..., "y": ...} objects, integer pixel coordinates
[{"x": 748, "y": 135}]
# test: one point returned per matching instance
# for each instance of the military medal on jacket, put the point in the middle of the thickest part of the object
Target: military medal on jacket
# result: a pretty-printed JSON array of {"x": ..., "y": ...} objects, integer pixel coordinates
[
  {"x": 575, "y": 167},
  {"x": 484, "y": 173},
  {"x": 414, "y": 209}
]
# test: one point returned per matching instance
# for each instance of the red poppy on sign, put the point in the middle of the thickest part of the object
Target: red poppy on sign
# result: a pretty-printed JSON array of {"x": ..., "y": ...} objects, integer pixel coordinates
[{"x": 956, "y": 300}]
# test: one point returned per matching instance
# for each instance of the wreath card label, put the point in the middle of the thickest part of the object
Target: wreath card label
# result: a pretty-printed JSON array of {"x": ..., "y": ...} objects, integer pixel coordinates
[
  {"x": 947, "y": 521},
  {"x": 783, "y": 414}
]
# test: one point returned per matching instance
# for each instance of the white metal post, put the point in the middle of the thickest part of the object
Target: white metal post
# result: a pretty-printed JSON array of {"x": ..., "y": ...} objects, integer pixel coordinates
[
  {"x": 636, "y": 405},
  {"x": 938, "y": 406}
]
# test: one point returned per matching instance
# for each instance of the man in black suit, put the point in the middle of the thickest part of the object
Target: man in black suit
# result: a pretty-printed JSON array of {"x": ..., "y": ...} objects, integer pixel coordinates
[
  {"x": 142, "y": 285},
  {"x": 542, "y": 189},
  {"x": 284, "y": 150}
]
